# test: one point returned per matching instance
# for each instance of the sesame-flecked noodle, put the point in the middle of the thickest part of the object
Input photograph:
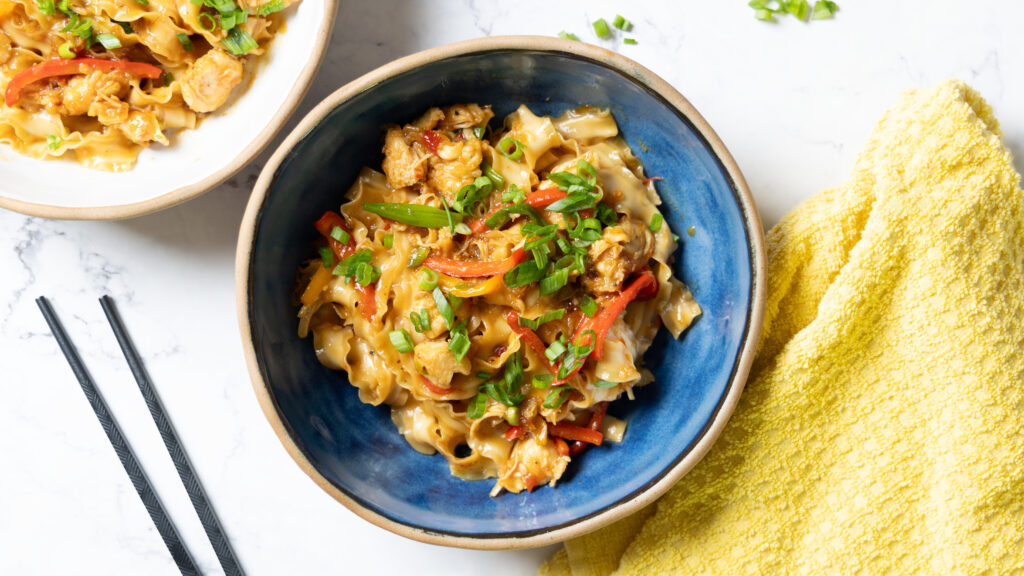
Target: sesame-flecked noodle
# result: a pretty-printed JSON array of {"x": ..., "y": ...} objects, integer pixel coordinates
[
  {"x": 102, "y": 79},
  {"x": 497, "y": 289}
]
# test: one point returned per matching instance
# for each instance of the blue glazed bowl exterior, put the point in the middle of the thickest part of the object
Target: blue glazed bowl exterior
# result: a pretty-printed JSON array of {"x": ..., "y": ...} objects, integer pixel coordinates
[{"x": 353, "y": 449}]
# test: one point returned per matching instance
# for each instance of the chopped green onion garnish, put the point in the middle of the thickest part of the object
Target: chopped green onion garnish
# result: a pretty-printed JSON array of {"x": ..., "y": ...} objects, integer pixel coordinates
[
  {"x": 46, "y": 7},
  {"x": 483, "y": 375},
  {"x": 499, "y": 218},
  {"x": 455, "y": 300},
  {"x": 401, "y": 340},
  {"x": 512, "y": 415},
  {"x": 339, "y": 234},
  {"x": 470, "y": 194},
  {"x": 629, "y": 40},
  {"x": 542, "y": 381},
  {"x": 511, "y": 148},
  {"x": 605, "y": 384},
  {"x": 523, "y": 274},
  {"x": 555, "y": 350},
  {"x": 459, "y": 344},
  {"x": 479, "y": 132},
  {"x": 109, "y": 41},
  {"x": 514, "y": 194},
  {"x": 798, "y": 8},
  {"x": 413, "y": 214},
  {"x": 208, "y": 24},
  {"x": 142, "y": 2},
  {"x": 824, "y": 9},
  {"x": 420, "y": 320},
  {"x": 125, "y": 26},
  {"x": 366, "y": 274},
  {"x": 588, "y": 306},
  {"x": 53, "y": 142},
  {"x": 606, "y": 215},
  {"x": 238, "y": 41},
  {"x": 388, "y": 241},
  {"x": 675, "y": 238},
  {"x": 622, "y": 24},
  {"x": 463, "y": 228},
  {"x": 496, "y": 179},
  {"x": 270, "y": 8},
  {"x": 601, "y": 28},
  {"x": 568, "y": 35},
  {"x": 65, "y": 51},
  {"x": 543, "y": 318},
  {"x": 428, "y": 279},
  {"x": 448, "y": 215},
  {"x": 656, "y": 221},
  {"x": 477, "y": 406},
  {"x": 186, "y": 42},
  {"x": 444, "y": 308},
  {"x": 556, "y": 397},
  {"x": 349, "y": 266},
  {"x": 554, "y": 282},
  {"x": 418, "y": 256},
  {"x": 326, "y": 256}
]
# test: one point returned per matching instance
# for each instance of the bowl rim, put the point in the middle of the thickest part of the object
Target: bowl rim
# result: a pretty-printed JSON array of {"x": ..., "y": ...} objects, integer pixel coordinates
[
  {"x": 542, "y": 44},
  {"x": 190, "y": 191}
]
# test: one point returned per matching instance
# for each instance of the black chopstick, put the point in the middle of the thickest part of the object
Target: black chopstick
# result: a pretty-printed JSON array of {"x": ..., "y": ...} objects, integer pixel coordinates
[
  {"x": 211, "y": 524},
  {"x": 124, "y": 452}
]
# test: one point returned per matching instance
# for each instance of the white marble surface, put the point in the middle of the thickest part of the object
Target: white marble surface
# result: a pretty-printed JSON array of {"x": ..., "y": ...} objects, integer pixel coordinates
[{"x": 794, "y": 102}]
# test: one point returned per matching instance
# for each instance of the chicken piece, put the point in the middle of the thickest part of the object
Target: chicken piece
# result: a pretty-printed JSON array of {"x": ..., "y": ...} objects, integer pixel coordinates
[
  {"x": 82, "y": 91},
  {"x": 456, "y": 164},
  {"x": 428, "y": 120},
  {"x": 622, "y": 250},
  {"x": 533, "y": 462},
  {"x": 208, "y": 83},
  {"x": 462, "y": 116},
  {"x": 109, "y": 110},
  {"x": 402, "y": 165},
  {"x": 433, "y": 359},
  {"x": 142, "y": 127}
]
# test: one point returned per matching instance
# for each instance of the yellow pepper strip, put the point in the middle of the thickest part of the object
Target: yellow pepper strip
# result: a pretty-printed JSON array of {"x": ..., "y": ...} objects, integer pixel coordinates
[
  {"x": 464, "y": 289},
  {"x": 316, "y": 285}
]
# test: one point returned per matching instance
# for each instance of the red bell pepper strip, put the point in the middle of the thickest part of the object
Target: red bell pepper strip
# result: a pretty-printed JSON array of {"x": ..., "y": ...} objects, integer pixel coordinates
[
  {"x": 66, "y": 67},
  {"x": 434, "y": 387},
  {"x": 367, "y": 294},
  {"x": 513, "y": 433},
  {"x": 530, "y": 338},
  {"x": 603, "y": 320},
  {"x": 539, "y": 199},
  {"x": 466, "y": 269},
  {"x": 596, "y": 419},
  {"x": 579, "y": 433},
  {"x": 561, "y": 446},
  {"x": 432, "y": 140}
]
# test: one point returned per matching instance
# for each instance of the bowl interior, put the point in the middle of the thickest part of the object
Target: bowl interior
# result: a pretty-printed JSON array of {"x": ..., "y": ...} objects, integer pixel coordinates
[
  {"x": 197, "y": 159},
  {"x": 355, "y": 446}
]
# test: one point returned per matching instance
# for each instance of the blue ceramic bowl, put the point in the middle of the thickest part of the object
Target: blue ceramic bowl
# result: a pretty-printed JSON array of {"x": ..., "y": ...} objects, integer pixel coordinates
[{"x": 351, "y": 449}]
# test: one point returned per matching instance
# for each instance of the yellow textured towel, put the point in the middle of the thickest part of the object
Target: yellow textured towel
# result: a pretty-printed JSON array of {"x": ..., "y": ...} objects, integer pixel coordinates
[{"x": 882, "y": 429}]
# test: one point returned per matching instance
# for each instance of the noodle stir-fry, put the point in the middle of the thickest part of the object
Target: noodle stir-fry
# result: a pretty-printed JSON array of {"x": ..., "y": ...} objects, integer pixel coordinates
[{"x": 497, "y": 291}]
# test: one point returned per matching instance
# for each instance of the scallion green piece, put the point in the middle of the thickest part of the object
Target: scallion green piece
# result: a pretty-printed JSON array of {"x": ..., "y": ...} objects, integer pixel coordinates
[
  {"x": 483, "y": 375},
  {"x": 554, "y": 282},
  {"x": 238, "y": 41},
  {"x": 629, "y": 40},
  {"x": 125, "y": 26},
  {"x": 477, "y": 406},
  {"x": 419, "y": 254},
  {"x": 459, "y": 343},
  {"x": 444, "y": 308},
  {"x": 208, "y": 24},
  {"x": 556, "y": 397},
  {"x": 496, "y": 179},
  {"x": 824, "y": 9},
  {"x": 656, "y": 221},
  {"x": 568, "y": 35},
  {"x": 142, "y": 2},
  {"x": 53, "y": 142},
  {"x": 621, "y": 23},
  {"x": 542, "y": 319},
  {"x": 388, "y": 241},
  {"x": 554, "y": 351},
  {"x": 512, "y": 149},
  {"x": 479, "y": 132},
  {"x": 413, "y": 214},
  {"x": 605, "y": 384},
  {"x": 589, "y": 306},
  {"x": 326, "y": 256},
  {"x": 270, "y": 8},
  {"x": 65, "y": 51},
  {"x": 428, "y": 279},
  {"x": 420, "y": 320},
  {"x": 339, "y": 234},
  {"x": 514, "y": 194},
  {"x": 366, "y": 274},
  {"x": 524, "y": 273},
  {"x": 350, "y": 265},
  {"x": 455, "y": 300},
  {"x": 448, "y": 215},
  {"x": 542, "y": 381},
  {"x": 186, "y": 42},
  {"x": 46, "y": 7},
  {"x": 601, "y": 28},
  {"x": 401, "y": 340}
]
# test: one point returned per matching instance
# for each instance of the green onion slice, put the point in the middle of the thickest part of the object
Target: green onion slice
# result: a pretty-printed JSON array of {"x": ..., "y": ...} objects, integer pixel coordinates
[
  {"x": 65, "y": 51},
  {"x": 568, "y": 35},
  {"x": 46, "y": 7},
  {"x": 420, "y": 320},
  {"x": 524, "y": 273},
  {"x": 656, "y": 221},
  {"x": 542, "y": 319},
  {"x": 419, "y": 254},
  {"x": 53, "y": 142},
  {"x": 444, "y": 308},
  {"x": 413, "y": 214},
  {"x": 270, "y": 8},
  {"x": 622, "y": 24},
  {"x": 477, "y": 406},
  {"x": 499, "y": 218},
  {"x": 349, "y": 266},
  {"x": 186, "y": 42},
  {"x": 554, "y": 282},
  {"x": 605, "y": 384},
  {"x": 208, "y": 24},
  {"x": 496, "y": 179},
  {"x": 542, "y": 381},
  {"x": 601, "y": 28},
  {"x": 388, "y": 241},
  {"x": 511, "y": 148},
  {"x": 401, "y": 340},
  {"x": 339, "y": 234},
  {"x": 554, "y": 351},
  {"x": 326, "y": 256},
  {"x": 366, "y": 274},
  {"x": 459, "y": 343},
  {"x": 238, "y": 42},
  {"x": 589, "y": 306},
  {"x": 556, "y": 397},
  {"x": 824, "y": 9},
  {"x": 428, "y": 279},
  {"x": 629, "y": 40}
]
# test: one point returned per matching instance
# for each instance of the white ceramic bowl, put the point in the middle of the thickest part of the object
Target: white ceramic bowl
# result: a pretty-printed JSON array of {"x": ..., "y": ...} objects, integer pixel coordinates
[{"x": 197, "y": 160}]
